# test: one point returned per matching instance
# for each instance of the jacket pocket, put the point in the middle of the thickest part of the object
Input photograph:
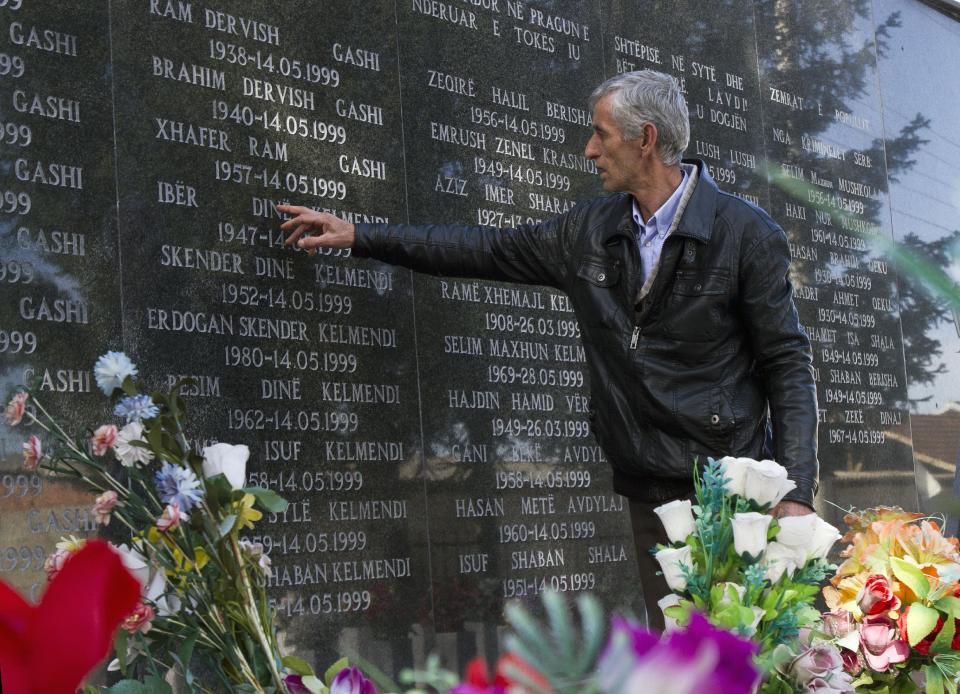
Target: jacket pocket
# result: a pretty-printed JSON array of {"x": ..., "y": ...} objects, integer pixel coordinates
[
  {"x": 698, "y": 306},
  {"x": 601, "y": 272}
]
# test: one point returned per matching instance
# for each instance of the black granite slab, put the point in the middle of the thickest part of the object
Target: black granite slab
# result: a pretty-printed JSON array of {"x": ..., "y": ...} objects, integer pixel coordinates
[
  {"x": 823, "y": 130},
  {"x": 59, "y": 284}
]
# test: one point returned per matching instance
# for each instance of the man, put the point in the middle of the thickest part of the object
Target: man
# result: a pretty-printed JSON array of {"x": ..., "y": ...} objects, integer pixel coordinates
[{"x": 683, "y": 298}]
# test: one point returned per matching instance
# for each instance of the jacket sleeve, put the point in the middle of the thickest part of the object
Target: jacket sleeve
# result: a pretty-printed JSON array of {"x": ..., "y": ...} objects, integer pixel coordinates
[
  {"x": 528, "y": 254},
  {"x": 782, "y": 352}
]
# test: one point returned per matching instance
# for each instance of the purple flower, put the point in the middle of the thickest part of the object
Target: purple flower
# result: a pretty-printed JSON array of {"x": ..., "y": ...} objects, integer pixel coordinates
[
  {"x": 178, "y": 485},
  {"x": 294, "y": 685},
  {"x": 698, "y": 658},
  {"x": 351, "y": 681}
]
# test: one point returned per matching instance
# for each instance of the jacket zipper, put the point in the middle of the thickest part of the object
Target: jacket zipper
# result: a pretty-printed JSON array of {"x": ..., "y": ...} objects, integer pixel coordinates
[{"x": 635, "y": 338}]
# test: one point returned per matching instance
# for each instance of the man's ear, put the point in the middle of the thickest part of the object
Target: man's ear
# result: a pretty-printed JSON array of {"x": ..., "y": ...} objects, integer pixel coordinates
[{"x": 648, "y": 138}]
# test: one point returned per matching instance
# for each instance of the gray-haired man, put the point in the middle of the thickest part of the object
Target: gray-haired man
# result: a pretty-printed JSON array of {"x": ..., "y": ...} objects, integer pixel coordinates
[{"x": 693, "y": 343}]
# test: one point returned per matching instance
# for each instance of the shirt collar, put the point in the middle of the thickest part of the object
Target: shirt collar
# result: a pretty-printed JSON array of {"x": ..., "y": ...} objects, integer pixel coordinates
[{"x": 662, "y": 219}]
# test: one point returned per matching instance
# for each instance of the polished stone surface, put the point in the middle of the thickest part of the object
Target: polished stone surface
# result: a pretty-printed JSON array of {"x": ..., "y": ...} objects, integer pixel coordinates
[
  {"x": 821, "y": 112},
  {"x": 920, "y": 99},
  {"x": 430, "y": 432}
]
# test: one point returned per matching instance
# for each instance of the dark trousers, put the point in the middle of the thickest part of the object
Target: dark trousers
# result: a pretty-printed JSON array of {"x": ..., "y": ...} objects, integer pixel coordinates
[{"x": 647, "y": 532}]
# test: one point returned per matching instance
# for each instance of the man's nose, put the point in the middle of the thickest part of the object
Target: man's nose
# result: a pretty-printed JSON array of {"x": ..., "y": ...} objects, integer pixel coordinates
[{"x": 590, "y": 151}]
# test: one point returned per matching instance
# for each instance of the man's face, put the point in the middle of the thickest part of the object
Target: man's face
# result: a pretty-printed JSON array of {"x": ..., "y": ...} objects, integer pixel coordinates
[{"x": 618, "y": 160}]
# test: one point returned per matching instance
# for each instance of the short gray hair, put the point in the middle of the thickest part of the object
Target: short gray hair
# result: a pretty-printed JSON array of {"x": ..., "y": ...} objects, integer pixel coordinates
[{"x": 647, "y": 96}]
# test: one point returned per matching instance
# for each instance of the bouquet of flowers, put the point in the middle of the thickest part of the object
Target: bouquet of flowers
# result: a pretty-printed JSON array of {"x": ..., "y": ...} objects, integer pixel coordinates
[
  {"x": 894, "y": 603},
  {"x": 731, "y": 561},
  {"x": 203, "y": 610},
  {"x": 581, "y": 654}
]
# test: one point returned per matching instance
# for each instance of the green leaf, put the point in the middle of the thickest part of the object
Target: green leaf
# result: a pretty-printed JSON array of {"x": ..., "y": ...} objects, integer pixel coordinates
[
  {"x": 128, "y": 687},
  {"x": 910, "y": 575},
  {"x": 334, "y": 669},
  {"x": 154, "y": 685},
  {"x": 120, "y": 645},
  {"x": 185, "y": 654},
  {"x": 314, "y": 685},
  {"x": 268, "y": 499},
  {"x": 941, "y": 644},
  {"x": 933, "y": 676},
  {"x": 921, "y": 620},
  {"x": 298, "y": 665},
  {"x": 226, "y": 525},
  {"x": 949, "y": 605}
]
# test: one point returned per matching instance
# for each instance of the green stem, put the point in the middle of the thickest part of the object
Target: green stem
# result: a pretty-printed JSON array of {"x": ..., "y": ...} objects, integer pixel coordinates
[{"x": 254, "y": 614}]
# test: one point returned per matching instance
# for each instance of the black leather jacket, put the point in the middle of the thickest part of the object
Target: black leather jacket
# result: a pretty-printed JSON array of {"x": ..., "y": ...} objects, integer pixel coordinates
[{"x": 690, "y": 371}]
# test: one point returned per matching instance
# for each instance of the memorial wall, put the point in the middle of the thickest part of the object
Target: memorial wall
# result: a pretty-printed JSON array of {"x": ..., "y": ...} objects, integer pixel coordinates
[{"x": 430, "y": 433}]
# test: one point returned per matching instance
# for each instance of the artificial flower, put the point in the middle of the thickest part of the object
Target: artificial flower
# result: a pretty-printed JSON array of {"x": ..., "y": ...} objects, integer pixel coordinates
[
  {"x": 16, "y": 408},
  {"x": 111, "y": 369},
  {"x": 32, "y": 452},
  {"x": 750, "y": 532},
  {"x": 824, "y": 537},
  {"x": 698, "y": 658},
  {"x": 877, "y": 596},
  {"x": 670, "y": 600},
  {"x": 672, "y": 562},
  {"x": 179, "y": 485},
  {"x": 766, "y": 483},
  {"x": 735, "y": 474},
  {"x": 171, "y": 517},
  {"x": 780, "y": 560},
  {"x": 49, "y": 648},
  {"x": 103, "y": 439},
  {"x": 139, "y": 620},
  {"x": 135, "y": 408},
  {"x": 881, "y": 648},
  {"x": 729, "y": 589},
  {"x": 677, "y": 519},
  {"x": 103, "y": 506},
  {"x": 257, "y": 552},
  {"x": 65, "y": 548},
  {"x": 509, "y": 667},
  {"x": 839, "y": 623},
  {"x": 819, "y": 661},
  {"x": 351, "y": 681},
  {"x": 247, "y": 515},
  {"x": 227, "y": 460},
  {"x": 797, "y": 532},
  {"x": 129, "y": 454}
]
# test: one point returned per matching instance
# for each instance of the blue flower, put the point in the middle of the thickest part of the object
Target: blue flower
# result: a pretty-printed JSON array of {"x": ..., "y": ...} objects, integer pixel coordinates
[
  {"x": 179, "y": 485},
  {"x": 135, "y": 408},
  {"x": 111, "y": 369}
]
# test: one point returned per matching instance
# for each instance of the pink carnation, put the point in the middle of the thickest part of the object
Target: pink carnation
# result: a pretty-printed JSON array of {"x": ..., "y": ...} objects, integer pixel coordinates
[
  {"x": 139, "y": 620},
  {"x": 171, "y": 517},
  {"x": 55, "y": 562},
  {"x": 102, "y": 507},
  {"x": 32, "y": 452},
  {"x": 16, "y": 407},
  {"x": 103, "y": 438}
]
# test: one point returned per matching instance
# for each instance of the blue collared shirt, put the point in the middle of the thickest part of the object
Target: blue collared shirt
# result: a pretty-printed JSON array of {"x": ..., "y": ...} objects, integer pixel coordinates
[{"x": 650, "y": 236}]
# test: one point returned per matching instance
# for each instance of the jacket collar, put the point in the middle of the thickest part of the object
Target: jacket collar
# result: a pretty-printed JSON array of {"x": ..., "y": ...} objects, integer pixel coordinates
[{"x": 696, "y": 220}]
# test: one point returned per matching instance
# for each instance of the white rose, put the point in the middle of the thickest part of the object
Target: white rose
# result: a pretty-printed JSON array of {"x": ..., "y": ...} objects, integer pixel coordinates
[
  {"x": 766, "y": 482},
  {"x": 227, "y": 460},
  {"x": 781, "y": 559},
  {"x": 671, "y": 562},
  {"x": 677, "y": 519},
  {"x": 796, "y": 532},
  {"x": 750, "y": 532},
  {"x": 670, "y": 600},
  {"x": 737, "y": 588},
  {"x": 735, "y": 472},
  {"x": 824, "y": 537}
]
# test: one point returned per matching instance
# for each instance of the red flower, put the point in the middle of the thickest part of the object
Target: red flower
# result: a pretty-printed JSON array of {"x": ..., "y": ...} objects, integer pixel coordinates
[
  {"x": 877, "y": 596},
  {"x": 476, "y": 680},
  {"x": 49, "y": 648},
  {"x": 922, "y": 647}
]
